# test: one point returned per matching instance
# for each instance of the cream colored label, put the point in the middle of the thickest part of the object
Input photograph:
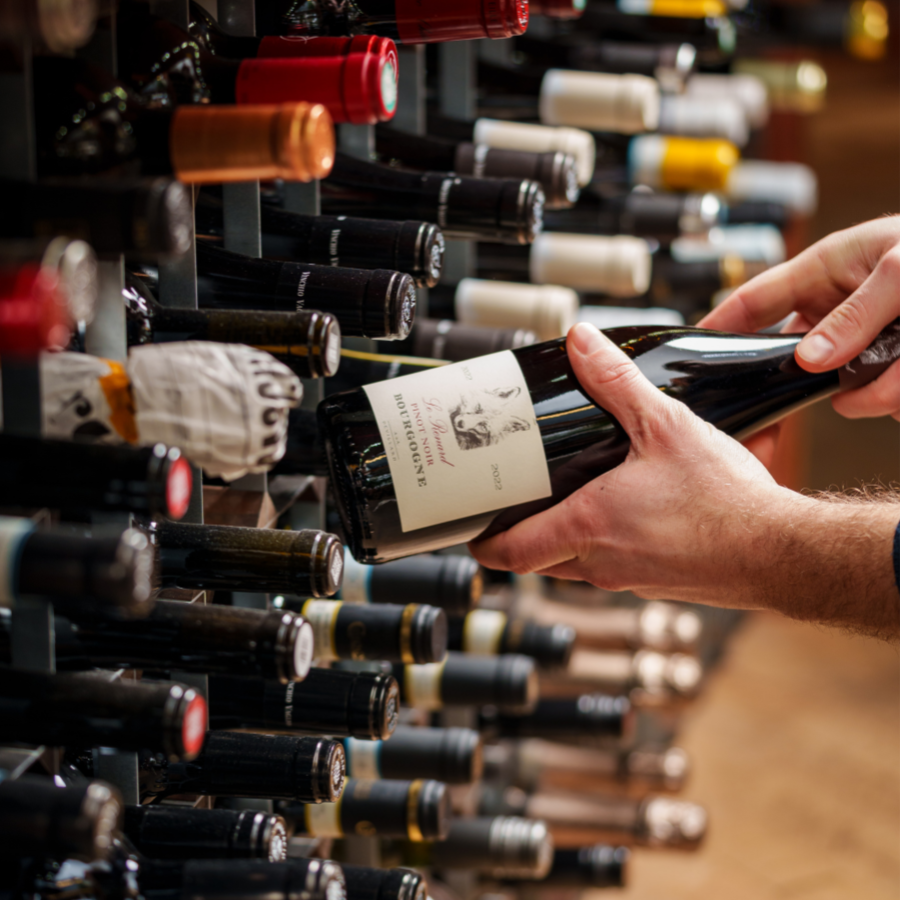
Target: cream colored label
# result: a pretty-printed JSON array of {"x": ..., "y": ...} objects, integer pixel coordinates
[
  {"x": 12, "y": 534},
  {"x": 482, "y": 631},
  {"x": 422, "y": 685},
  {"x": 460, "y": 440},
  {"x": 363, "y": 758},
  {"x": 355, "y": 586},
  {"x": 323, "y": 819},
  {"x": 322, "y": 615}
]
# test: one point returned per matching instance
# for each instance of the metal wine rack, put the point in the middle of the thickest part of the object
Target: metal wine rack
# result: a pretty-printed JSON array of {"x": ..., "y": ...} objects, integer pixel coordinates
[{"x": 32, "y": 638}]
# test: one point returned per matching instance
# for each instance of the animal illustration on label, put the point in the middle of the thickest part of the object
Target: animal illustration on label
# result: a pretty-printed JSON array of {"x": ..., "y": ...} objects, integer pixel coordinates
[{"x": 484, "y": 417}]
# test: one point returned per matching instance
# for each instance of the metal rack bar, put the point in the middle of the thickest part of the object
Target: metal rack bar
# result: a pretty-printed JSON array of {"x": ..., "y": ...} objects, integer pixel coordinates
[{"x": 457, "y": 81}]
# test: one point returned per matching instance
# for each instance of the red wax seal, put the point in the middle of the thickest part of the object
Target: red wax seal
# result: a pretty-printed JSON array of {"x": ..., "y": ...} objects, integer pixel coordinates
[
  {"x": 193, "y": 727},
  {"x": 427, "y": 21},
  {"x": 357, "y": 86},
  {"x": 32, "y": 311},
  {"x": 179, "y": 483}
]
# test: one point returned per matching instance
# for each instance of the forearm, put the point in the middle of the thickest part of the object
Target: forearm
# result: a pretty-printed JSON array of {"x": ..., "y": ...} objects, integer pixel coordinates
[{"x": 830, "y": 560}]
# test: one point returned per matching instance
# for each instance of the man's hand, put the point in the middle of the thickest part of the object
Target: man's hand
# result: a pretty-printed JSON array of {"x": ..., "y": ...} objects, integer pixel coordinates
[
  {"x": 843, "y": 291},
  {"x": 672, "y": 521},
  {"x": 693, "y": 515}
]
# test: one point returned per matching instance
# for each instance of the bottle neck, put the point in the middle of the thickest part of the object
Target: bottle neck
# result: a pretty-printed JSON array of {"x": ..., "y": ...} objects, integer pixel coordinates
[
  {"x": 319, "y": 17},
  {"x": 167, "y": 65},
  {"x": 422, "y": 152}
]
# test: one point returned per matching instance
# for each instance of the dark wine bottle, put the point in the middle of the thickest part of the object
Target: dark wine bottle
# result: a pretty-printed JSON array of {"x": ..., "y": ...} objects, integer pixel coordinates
[
  {"x": 376, "y": 303},
  {"x": 78, "y": 573},
  {"x": 555, "y": 171},
  {"x": 404, "y": 500},
  {"x": 505, "y": 135},
  {"x": 414, "y": 633},
  {"x": 411, "y": 23},
  {"x": 345, "y": 704},
  {"x": 508, "y": 210},
  {"x": 661, "y": 216},
  {"x": 418, "y": 810},
  {"x": 233, "y": 764},
  {"x": 501, "y": 847},
  {"x": 240, "y": 879},
  {"x": 575, "y": 820},
  {"x": 534, "y": 763},
  {"x": 451, "y": 755},
  {"x": 204, "y": 28},
  {"x": 650, "y": 678},
  {"x": 596, "y": 101},
  {"x": 454, "y": 583},
  {"x": 88, "y": 123},
  {"x": 445, "y": 339},
  {"x": 364, "y": 883},
  {"x": 163, "y": 62},
  {"x": 489, "y": 632},
  {"x": 707, "y": 29},
  {"x": 416, "y": 248},
  {"x": 148, "y": 481},
  {"x": 597, "y": 866},
  {"x": 144, "y": 218},
  {"x": 508, "y": 681},
  {"x": 205, "y": 557},
  {"x": 40, "y": 819},
  {"x": 575, "y": 51},
  {"x": 175, "y": 832},
  {"x": 308, "y": 341},
  {"x": 90, "y": 710},
  {"x": 588, "y": 716},
  {"x": 187, "y": 637}
]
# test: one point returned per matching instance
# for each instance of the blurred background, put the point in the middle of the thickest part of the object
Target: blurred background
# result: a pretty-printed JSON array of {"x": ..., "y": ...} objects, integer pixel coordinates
[{"x": 796, "y": 742}]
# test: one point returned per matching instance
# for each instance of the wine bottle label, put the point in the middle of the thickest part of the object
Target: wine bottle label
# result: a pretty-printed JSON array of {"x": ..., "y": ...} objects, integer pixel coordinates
[
  {"x": 482, "y": 632},
  {"x": 322, "y": 615},
  {"x": 13, "y": 533},
  {"x": 422, "y": 685},
  {"x": 304, "y": 651},
  {"x": 363, "y": 758},
  {"x": 86, "y": 397},
  {"x": 355, "y": 586},
  {"x": 323, "y": 819},
  {"x": 225, "y": 405},
  {"x": 460, "y": 440}
]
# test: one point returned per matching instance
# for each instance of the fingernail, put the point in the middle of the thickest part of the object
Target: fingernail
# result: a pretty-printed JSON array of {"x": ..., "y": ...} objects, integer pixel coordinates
[
  {"x": 587, "y": 338},
  {"x": 815, "y": 348}
]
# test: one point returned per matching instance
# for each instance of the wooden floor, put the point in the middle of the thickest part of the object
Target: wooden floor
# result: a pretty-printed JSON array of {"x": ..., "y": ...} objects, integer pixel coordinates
[{"x": 796, "y": 749}]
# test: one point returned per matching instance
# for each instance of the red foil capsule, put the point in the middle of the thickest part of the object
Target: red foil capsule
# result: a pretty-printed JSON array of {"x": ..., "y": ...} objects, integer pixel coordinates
[
  {"x": 32, "y": 310},
  {"x": 360, "y": 88},
  {"x": 427, "y": 21}
]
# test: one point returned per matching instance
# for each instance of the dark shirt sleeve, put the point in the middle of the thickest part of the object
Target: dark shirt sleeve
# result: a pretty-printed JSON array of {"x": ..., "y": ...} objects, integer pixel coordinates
[{"x": 897, "y": 556}]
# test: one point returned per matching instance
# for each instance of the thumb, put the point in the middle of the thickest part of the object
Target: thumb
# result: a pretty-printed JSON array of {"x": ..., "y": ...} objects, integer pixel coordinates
[{"x": 615, "y": 382}]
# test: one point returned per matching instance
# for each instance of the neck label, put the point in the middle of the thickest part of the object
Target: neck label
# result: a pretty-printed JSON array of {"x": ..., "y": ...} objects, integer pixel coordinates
[{"x": 461, "y": 440}]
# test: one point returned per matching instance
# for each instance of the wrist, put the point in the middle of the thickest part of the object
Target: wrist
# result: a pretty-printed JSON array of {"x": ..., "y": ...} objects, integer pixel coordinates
[{"x": 830, "y": 560}]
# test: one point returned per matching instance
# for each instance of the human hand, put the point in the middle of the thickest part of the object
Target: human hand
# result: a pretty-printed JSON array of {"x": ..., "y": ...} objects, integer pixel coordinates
[
  {"x": 843, "y": 290},
  {"x": 689, "y": 515}
]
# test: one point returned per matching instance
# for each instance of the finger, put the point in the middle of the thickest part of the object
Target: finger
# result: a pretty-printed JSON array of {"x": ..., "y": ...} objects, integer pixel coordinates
[
  {"x": 879, "y": 398},
  {"x": 851, "y": 326},
  {"x": 537, "y": 542},
  {"x": 764, "y": 444},
  {"x": 821, "y": 276},
  {"x": 762, "y": 301},
  {"x": 611, "y": 379}
]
